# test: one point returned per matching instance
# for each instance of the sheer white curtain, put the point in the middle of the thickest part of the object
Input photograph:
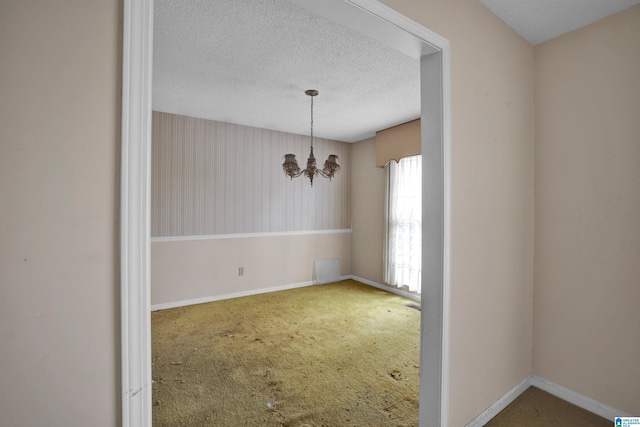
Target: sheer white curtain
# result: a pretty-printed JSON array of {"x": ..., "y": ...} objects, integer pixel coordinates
[{"x": 404, "y": 223}]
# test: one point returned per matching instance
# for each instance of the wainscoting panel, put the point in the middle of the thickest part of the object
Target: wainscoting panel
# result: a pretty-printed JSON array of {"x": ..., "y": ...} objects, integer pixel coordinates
[{"x": 211, "y": 178}]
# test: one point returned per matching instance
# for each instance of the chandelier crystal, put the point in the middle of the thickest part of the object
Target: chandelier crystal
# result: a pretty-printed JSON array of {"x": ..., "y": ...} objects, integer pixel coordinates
[{"x": 290, "y": 165}]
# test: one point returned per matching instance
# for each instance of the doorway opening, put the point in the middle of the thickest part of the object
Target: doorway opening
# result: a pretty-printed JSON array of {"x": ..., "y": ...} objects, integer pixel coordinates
[{"x": 366, "y": 16}]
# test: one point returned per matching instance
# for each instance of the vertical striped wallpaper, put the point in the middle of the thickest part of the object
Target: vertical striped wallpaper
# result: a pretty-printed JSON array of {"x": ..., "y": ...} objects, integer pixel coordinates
[{"x": 211, "y": 177}]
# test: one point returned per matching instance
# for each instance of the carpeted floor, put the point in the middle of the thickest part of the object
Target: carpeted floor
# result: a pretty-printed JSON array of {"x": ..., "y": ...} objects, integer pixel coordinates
[
  {"x": 343, "y": 354},
  {"x": 537, "y": 408}
]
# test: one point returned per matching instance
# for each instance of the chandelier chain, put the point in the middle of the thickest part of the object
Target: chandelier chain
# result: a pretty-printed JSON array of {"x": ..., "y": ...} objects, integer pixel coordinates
[{"x": 311, "y": 122}]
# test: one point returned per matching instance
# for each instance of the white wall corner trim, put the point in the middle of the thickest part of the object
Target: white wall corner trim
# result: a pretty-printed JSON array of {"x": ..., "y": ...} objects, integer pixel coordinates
[{"x": 584, "y": 402}]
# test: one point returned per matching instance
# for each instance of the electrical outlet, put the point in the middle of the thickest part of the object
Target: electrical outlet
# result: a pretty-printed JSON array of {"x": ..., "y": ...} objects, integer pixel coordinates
[{"x": 240, "y": 271}]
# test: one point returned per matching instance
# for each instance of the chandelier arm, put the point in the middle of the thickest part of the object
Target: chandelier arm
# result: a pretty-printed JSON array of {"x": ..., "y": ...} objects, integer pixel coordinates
[{"x": 323, "y": 173}]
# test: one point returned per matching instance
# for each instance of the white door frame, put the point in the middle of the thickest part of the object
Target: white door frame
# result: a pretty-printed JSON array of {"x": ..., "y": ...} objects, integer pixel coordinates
[{"x": 135, "y": 212}]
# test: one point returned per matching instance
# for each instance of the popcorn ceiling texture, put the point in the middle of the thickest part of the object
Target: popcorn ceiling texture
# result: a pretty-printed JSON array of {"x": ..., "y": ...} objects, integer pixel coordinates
[{"x": 249, "y": 62}]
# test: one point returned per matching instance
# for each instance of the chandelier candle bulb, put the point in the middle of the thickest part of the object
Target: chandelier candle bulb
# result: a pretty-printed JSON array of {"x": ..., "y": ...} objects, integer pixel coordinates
[{"x": 290, "y": 165}]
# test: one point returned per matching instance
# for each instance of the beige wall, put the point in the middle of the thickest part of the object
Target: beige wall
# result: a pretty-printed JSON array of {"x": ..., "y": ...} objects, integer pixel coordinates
[
  {"x": 185, "y": 270},
  {"x": 492, "y": 201},
  {"x": 59, "y": 190},
  {"x": 587, "y": 252},
  {"x": 367, "y": 212},
  {"x": 59, "y": 148}
]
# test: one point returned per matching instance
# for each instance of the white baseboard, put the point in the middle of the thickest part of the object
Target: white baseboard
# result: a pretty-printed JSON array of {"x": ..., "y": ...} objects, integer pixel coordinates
[
  {"x": 500, "y": 404},
  {"x": 581, "y": 401},
  {"x": 584, "y": 402},
  {"x": 385, "y": 287},
  {"x": 202, "y": 300}
]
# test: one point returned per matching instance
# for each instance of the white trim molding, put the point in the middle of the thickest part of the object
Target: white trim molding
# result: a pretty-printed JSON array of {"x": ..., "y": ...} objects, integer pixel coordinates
[
  {"x": 228, "y": 296},
  {"x": 184, "y": 303},
  {"x": 387, "y": 288},
  {"x": 135, "y": 324},
  {"x": 247, "y": 235},
  {"x": 497, "y": 406},
  {"x": 435, "y": 70}
]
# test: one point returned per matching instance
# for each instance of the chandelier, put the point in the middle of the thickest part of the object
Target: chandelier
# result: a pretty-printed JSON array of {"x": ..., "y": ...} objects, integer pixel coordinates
[{"x": 290, "y": 165}]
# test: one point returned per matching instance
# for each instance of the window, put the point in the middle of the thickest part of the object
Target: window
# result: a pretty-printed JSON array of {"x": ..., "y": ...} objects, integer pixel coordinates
[{"x": 404, "y": 223}]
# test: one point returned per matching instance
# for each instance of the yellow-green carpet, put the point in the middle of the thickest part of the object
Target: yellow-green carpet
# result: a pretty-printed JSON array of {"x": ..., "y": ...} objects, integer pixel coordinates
[
  {"x": 343, "y": 354},
  {"x": 537, "y": 408}
]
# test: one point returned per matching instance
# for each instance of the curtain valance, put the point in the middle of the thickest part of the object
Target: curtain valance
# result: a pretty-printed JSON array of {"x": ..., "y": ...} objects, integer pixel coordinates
[{"x": 398, "y": 142}]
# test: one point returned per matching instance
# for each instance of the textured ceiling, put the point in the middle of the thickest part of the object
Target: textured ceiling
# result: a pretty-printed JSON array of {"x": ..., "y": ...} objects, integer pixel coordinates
[
  {"x": 249, "y": 62},
  {"x": 540, "y": 20}
]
